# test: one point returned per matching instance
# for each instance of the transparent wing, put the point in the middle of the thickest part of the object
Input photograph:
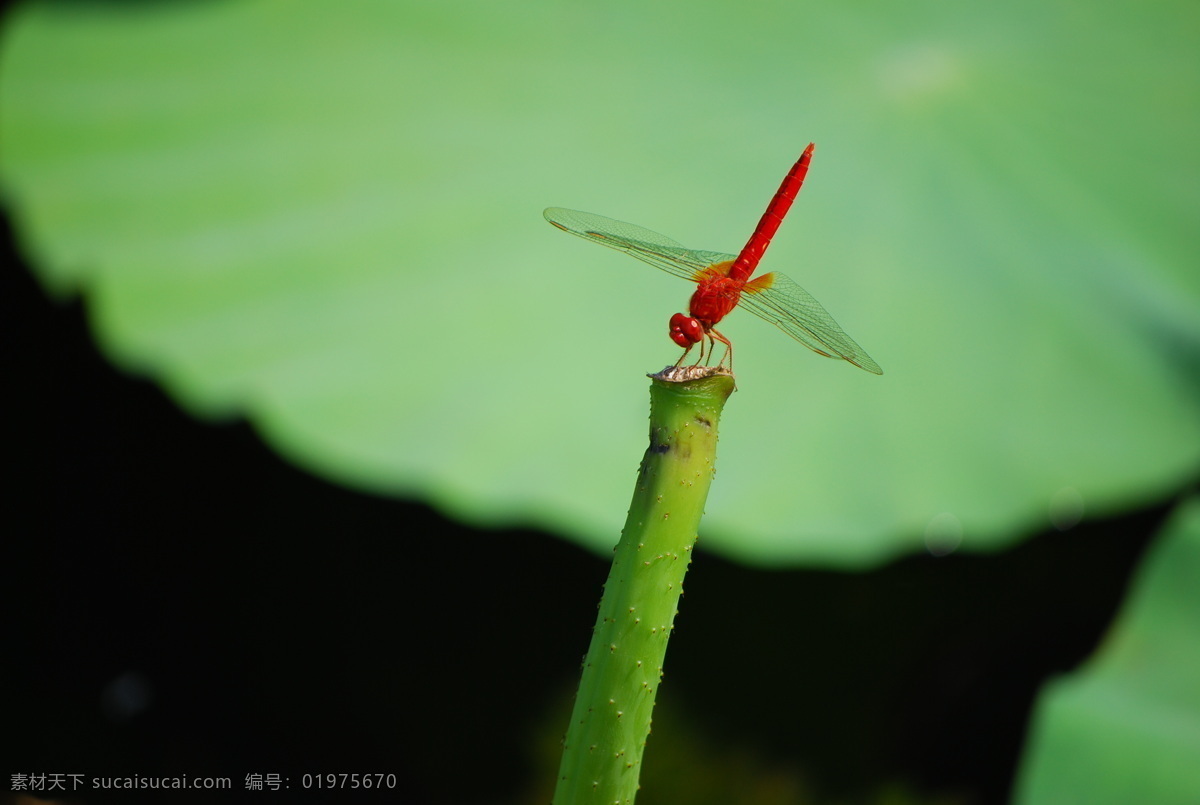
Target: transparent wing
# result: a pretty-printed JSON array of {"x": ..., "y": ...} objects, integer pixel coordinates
[
  {"x": 650, "y": 247},
  {"x": 789, "y": 307}
]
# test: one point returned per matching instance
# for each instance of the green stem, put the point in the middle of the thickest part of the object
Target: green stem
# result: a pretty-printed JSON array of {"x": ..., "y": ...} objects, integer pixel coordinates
[{"x": 602, "y": 751}]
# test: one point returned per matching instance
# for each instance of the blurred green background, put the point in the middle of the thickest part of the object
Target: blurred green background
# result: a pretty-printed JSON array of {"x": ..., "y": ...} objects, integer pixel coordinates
[{"x": 325, "y": 219}]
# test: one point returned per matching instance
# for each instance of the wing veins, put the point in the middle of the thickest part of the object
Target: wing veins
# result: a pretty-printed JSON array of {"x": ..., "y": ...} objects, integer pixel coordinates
[
  {"x": 648, "y": 246},
  {"x": 795, "y": 311}
]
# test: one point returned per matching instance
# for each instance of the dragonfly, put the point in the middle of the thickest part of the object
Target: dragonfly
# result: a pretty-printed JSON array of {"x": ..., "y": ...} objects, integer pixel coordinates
[{"x": 724, "y": 281}]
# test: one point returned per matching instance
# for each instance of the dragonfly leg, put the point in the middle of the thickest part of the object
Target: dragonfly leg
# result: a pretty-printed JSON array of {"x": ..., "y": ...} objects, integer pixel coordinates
[
  {"x": 687, "y": 350},
  {"x": 714, "y": 337}
]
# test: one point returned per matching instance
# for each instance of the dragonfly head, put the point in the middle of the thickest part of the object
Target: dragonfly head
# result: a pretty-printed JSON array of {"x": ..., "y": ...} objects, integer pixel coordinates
[{"x": 686, "y": 330}]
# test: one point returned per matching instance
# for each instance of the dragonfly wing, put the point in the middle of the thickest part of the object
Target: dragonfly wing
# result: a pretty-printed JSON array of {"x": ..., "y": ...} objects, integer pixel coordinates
[
  {"x": 650, "y": 247},
  {"x": 789, "y": 307},
  {"x": 714, "y": 258}
]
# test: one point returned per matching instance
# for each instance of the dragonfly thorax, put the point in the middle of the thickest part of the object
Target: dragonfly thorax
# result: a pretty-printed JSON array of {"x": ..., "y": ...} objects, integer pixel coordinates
[{"x": 714, "y": 298}]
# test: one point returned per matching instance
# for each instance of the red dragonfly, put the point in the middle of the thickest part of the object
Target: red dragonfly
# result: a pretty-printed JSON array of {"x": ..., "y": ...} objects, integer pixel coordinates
[{"x": 723, "y": 280}]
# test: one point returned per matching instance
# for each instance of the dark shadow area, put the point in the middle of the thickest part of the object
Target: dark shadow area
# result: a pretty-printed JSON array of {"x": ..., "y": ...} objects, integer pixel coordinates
[
  {"x": 179, "y": 600},
  {"x": 923, "y": 671}
]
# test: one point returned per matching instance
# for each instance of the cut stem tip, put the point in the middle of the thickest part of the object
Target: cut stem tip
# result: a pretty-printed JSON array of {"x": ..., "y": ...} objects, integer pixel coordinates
[{"x": 683, "y": 374}]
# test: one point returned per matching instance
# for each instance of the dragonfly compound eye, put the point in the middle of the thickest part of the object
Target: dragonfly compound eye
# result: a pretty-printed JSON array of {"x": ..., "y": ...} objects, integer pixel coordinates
[{"x": 685, "y": 330}]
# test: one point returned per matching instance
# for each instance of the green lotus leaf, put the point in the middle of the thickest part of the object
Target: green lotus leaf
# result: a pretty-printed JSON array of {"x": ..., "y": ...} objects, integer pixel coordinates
[{"x": 326, "y": 218}]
